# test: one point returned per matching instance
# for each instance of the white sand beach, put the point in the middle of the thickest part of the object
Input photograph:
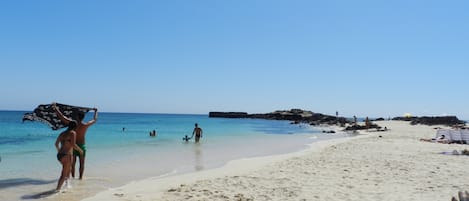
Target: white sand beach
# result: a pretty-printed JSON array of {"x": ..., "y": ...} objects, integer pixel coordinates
[{"x": 396, "y": 166}]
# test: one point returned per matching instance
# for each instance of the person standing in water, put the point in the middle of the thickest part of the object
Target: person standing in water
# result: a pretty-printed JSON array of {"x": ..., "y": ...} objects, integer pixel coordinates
[
  {"x": 80, "y": 130},
  {"x": 198, "y": 133},
  {"x": 64, "y": 144}
]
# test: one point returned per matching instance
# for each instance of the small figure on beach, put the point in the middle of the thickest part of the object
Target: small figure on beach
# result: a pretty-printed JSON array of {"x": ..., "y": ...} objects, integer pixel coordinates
[
  {"x": 65, "y": 144},
  {"x": 198, "y": 133},
  {"x": 367, "y": 123},
  {"x": 123, "y": 129},
  {"x": 80, "y": 130},
  {"x": 441, "y": 139}
]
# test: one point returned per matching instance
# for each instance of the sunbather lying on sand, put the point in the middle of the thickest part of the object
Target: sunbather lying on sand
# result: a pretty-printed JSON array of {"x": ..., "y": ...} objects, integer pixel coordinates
[{"x": 441, "y": 139}]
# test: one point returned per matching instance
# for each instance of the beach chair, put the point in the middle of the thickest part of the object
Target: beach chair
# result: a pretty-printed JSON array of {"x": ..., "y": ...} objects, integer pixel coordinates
[
  {"x": 465, "y": 136},
  {"x": 455, "y": 136}
]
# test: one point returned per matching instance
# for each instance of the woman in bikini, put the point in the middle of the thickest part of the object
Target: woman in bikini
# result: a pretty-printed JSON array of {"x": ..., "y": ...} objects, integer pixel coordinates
[{"x": 65, "y": 144}]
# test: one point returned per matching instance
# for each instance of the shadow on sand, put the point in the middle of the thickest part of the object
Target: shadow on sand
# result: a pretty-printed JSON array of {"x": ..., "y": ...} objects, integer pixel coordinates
[
  {"x": 9, "y": 183},
  {"x": 39, "y": 195}
]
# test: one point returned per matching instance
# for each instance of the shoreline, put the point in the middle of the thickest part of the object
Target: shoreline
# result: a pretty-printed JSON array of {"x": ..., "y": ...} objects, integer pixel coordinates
[
  {"x": 198, "y": 158},
  {"x": 396, "y": 166},
  {"x": 160, "y": 184}
]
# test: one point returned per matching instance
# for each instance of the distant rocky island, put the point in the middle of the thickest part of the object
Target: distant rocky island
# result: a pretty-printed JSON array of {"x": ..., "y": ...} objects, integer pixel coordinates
[
  {"x": 294, "y": 115},
  {"x": 312, "y": 118}
]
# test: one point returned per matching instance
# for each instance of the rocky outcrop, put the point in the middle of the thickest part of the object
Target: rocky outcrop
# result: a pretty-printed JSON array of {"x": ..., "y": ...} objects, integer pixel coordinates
[
  {"x": 295, "y": 115},
  {"x": 445, "y": 120},
  {"x": 363, "y": 127},
  {"x": 439, "y": 120}
]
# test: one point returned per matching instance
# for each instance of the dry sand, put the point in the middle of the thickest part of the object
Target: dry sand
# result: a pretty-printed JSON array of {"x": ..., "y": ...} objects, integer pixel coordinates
[{"x": 396, "y": 166}]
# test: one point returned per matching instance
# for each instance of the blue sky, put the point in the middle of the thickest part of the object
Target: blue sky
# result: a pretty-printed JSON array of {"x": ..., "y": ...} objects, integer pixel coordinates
[{"x": 364, "y": 58}]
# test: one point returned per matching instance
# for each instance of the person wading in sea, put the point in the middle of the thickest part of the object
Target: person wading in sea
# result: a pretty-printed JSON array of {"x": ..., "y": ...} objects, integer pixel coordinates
[{"x": 198, "y": 133}]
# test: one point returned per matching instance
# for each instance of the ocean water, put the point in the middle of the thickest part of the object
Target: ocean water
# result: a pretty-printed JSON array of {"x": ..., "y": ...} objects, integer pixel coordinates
[{"x": 29, "y": 168}]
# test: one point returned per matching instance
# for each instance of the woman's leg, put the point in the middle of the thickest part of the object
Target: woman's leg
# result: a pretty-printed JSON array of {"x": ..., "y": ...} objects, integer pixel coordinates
[{"x": 65, "y": 171}]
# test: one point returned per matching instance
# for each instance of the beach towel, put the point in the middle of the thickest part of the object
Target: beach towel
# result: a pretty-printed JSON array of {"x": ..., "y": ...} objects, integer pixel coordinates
[{"x": 45, "y": 114}]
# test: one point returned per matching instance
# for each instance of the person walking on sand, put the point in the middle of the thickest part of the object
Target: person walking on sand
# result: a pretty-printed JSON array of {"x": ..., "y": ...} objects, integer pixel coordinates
[
  {"x": 198, "y": 133},
  {"x": 64, "y": 144},
  {"x": 80, "y": 136}
]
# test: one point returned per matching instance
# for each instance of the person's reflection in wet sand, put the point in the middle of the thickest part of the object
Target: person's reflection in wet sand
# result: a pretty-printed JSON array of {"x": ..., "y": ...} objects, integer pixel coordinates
[{"x": 199, "y": 164}]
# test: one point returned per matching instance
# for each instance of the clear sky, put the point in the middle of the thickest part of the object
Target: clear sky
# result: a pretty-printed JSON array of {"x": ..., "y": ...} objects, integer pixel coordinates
[{"x": 365, "y": 58}]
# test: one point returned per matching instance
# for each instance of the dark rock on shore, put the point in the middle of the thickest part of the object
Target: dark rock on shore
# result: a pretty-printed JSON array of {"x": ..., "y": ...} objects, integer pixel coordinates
[
  {"x": 362, "y": 127},
  {"x": 439, "y": 120},
  {"x": 295, "y": 115},
  {"x": 445, "y": 120}
]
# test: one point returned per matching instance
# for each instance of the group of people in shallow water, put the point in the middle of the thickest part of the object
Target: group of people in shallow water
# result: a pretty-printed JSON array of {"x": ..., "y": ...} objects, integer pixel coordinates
[
  {"x": 70, "y": 144},
  {"x": 153, "y": 133},
  {"x": 197, "y": 132}
]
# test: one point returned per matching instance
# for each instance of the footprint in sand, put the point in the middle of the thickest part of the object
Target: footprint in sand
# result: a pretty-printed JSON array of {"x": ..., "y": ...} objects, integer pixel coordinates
[{"x": 119, "y": 194}]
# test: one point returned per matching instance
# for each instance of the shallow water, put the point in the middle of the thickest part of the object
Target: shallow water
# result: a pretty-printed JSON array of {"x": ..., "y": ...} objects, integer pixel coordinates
[{"x": 29, "y": 169}]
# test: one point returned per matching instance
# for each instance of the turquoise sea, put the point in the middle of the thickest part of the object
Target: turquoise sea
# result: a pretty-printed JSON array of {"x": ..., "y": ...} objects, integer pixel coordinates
[{"x": 115, "y": 157}]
